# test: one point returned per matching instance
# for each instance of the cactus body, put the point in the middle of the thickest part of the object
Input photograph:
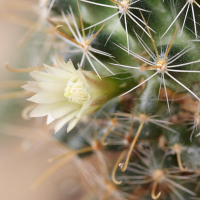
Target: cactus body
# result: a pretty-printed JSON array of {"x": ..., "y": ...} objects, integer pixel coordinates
[{"x": 147, "y": 139}]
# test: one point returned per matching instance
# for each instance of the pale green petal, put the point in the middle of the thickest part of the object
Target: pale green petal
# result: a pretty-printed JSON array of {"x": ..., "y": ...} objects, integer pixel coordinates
[
  {"x": 47, "y": 97},
  {"x": 67, "y": 66},
  {"x": 53, "y": 87},
  {"x": 43, "y": 110},
  {"x": 43, "y": 76},
  {"x": 64, "y": 109},
  {"x": 60, "y": 123},
  {"x": 72, "y": 123},
  {"x": 58, "y": 72}
]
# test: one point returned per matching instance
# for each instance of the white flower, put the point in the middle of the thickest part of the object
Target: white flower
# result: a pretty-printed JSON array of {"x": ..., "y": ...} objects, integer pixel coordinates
[{"x": 65, "y": 94}]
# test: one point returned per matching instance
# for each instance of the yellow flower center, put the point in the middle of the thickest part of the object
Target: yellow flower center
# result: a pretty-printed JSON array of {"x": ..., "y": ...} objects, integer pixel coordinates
[{"x": 75, "y": 91}]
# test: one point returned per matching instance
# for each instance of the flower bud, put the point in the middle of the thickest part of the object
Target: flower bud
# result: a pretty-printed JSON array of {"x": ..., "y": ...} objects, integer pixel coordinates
[{"x": 65, "y": 94}]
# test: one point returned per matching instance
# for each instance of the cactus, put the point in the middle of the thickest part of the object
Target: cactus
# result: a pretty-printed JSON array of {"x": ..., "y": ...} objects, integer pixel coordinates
[{"x": 132, "y": 100}]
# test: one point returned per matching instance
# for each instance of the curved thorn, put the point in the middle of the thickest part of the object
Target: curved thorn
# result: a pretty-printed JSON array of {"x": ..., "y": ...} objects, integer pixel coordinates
[
  {"x": 123, "y": 167},
  {"x": 69, "y": 38},
  {"x": 115, "y": 168},
  {"x": 105, "y": 135},
  {"x": 178, "y": 154},
  {"x": 27, "y": 110},
  {"x": 23, "y": 70},
  {"x": 153, "y": 195}
]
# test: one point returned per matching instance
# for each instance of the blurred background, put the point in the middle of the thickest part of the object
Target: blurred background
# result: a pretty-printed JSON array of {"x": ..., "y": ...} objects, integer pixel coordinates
[{"x": 25, "y": 146}]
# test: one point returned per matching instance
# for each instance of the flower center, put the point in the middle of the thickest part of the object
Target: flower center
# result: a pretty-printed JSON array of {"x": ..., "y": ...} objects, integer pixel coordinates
[{"x": 75, "y": 91}]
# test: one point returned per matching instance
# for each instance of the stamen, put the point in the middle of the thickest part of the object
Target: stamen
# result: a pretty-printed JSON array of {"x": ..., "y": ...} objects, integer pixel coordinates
[
  {"x": 23, "y": 70},
  {"x": 116, "y": 166},
  {"x": 75, "y": 91},
  {"x": 124, "y": 166}
]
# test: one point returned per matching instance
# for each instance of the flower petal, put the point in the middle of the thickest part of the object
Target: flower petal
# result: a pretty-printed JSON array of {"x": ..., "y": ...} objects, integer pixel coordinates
[
  {"x": 84, "y": 107},
  {"x": 47, "y": 97},
  {"x": 53, "y": 87},
  {"x": 64, "y": 120},
  {"x": 45, "y": 109},
  {"x": 58, "y": 72},
  {"x": 62, "y": 64},
  {"x": 50, "y": 119},
  {"x": 81, "y": 77},
  {"x": 43, "y": 76},
  {"x": 64, "y": 109},
  {"x": 32, "y": 86},
  {"x": 72, "y": 123}
]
